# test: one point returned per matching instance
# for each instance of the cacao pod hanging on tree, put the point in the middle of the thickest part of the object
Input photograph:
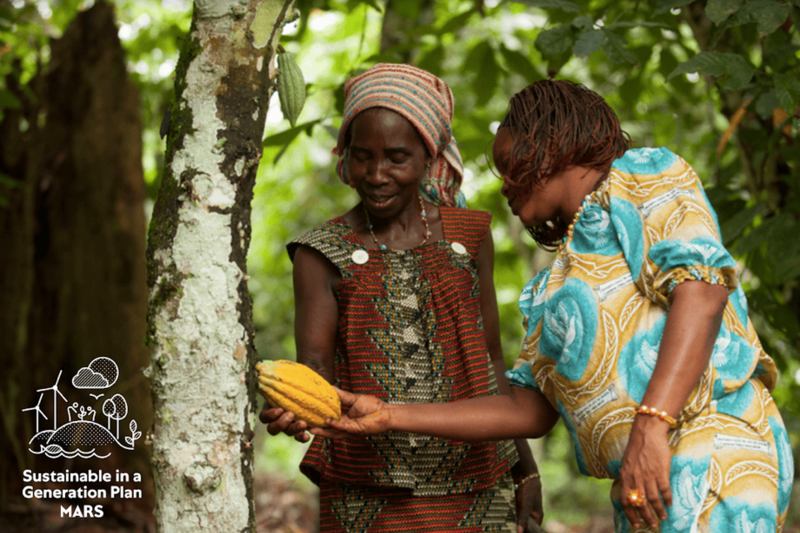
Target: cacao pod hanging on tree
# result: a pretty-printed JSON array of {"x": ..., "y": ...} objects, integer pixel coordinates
[{"x": 291, "y": 87}]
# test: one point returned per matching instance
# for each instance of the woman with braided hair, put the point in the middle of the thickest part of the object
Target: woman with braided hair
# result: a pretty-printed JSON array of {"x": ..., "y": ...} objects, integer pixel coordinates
[
  {"x": 637, "y": 335},
  {"x": 395, "y": 298}
]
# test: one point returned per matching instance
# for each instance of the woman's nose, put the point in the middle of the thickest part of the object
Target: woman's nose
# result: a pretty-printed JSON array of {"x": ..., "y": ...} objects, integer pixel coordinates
[
  {"x": 505, "y": 190},
  {"x": 377, "y": 173}
]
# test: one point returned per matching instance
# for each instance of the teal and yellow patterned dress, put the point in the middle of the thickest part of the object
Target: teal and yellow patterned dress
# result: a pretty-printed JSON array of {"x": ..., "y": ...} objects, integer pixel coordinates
[{"x": 594, "y": 322}]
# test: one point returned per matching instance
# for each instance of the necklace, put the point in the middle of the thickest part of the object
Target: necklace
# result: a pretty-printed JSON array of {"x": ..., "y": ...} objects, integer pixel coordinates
[
  {"x": 423, "y": 215},
  {"x": 562, "y": 247}
]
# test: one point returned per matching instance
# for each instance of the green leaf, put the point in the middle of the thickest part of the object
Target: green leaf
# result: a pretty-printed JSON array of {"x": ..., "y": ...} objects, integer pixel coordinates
[
  {"x": 520, "y": 64},
  {"x": 556, "y": 41},
  {"x": 667, "y": 62},
  {"x": 631, "y": 89},
  {"x": 8, "y": 181},
  {"x": 474, "y": 58},
  {"x": 719, "y": 10},
  {"x": 734, "y": 226},
  {"x": 286, "y": 137},
  {"x": 734, "y": 66},
  {"x": 614, "y": 47},
  {"x": 776, "y": 56},
  {"x": 767, "y": 14},
  {"x": 432, "y": 61},
  {"x": 583, "y": 22},
  {"x": 487, "y": 78},
  {"x": 787, "y": 91},
  {"x": 766, "y": 103},
  {"x": 9, "y": 100},
  {"x": 663, "y": 6},
  {"x": 588, "y": 42},
  {"x": 409, "y": 9},
  {"x": 457, "y": 22},
  {"x": 552, "y": 4},
  {"x": 765, "y": 232},
  {"x": 374, "y": 5},
  {"x": 6, "y": 14}
]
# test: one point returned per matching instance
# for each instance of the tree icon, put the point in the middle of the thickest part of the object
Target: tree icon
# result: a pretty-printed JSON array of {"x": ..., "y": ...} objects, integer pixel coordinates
[{"x": 115, "y": 408}]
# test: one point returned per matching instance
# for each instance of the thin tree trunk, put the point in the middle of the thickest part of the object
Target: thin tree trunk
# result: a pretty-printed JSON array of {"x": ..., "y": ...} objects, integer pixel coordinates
[{"x": 200, "y": 316}]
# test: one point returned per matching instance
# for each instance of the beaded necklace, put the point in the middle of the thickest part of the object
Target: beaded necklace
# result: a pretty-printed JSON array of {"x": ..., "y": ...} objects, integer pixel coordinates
[
  {"x": 423, "y": 215},
  {"x": 587, "y": 199}
]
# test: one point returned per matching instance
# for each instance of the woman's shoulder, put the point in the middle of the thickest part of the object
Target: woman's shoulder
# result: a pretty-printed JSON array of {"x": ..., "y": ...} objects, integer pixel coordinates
[
  {"x": 463, "y": 215},
  {"x": 468, "y": 227},
  {"x": 643, "y": 173},
  {"x": 330, "y": 238}
]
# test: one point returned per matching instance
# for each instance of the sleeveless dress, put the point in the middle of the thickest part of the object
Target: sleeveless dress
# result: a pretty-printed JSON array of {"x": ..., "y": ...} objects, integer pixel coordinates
[
  {"x": 594, "y": 322},
  {"x": 410, "y": 331}
]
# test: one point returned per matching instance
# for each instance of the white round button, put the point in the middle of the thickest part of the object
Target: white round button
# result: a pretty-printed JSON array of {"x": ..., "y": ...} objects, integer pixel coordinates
[
  {"x": 360, "y": 257},
  {"x": 458, "y": 248}
]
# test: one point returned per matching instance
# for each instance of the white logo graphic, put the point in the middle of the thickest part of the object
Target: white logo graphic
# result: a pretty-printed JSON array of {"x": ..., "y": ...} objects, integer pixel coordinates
[
  {"x": 82, "y": 436},
  {"x": 100, "y": 374}
]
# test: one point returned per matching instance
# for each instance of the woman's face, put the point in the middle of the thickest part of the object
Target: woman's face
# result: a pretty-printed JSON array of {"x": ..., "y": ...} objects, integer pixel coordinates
[
  {"x": 544, "y": 201},
  {"x": 387, "y": 161}
]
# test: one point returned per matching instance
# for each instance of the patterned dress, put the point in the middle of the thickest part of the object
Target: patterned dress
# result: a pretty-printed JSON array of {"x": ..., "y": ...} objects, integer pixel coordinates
[
  {"x": 410, "y": 331},
  {"x": 594, "y": 323}
]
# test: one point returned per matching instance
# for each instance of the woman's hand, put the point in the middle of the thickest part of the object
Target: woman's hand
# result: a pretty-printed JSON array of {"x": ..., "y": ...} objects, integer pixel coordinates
[
  {"x": 646, "y": 467},
  {"x": 367, "y": 416},
  {"x": 529, "y": 503},
  {"x": 280, "y": 421}
]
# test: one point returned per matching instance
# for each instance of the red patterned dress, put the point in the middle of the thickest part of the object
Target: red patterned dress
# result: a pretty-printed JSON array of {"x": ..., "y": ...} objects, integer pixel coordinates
[{"x": 410, "y": 331}]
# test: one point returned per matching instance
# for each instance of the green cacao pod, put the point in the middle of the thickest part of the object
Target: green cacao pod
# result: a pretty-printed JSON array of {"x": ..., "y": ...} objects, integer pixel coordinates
[{"x": 291, "y": 87}]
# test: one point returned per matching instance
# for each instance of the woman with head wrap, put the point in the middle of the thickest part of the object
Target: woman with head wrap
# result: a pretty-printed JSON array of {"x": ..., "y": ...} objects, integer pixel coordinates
[
  {"x": 637, "y": 335},
  {"x": 395, "y": 298}
]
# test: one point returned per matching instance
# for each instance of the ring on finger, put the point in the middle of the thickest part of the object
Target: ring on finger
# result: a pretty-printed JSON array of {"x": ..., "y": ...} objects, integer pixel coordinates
[{"x": 636, "y": 497}]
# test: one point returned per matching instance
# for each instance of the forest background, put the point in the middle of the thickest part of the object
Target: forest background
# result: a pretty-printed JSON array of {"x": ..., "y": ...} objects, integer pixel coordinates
[{"x": 716, "y": 82}]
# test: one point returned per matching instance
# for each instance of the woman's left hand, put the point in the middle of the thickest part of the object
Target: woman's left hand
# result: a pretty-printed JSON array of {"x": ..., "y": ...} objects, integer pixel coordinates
[
  {"x": 645, "y": 468},
  {"x": 529, "y": 503}
]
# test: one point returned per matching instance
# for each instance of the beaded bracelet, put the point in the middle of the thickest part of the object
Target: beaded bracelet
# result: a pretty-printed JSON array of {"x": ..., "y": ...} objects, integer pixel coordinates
[
  {"x": 652, "y": 411},
  {"x": 526, "y": 479}
]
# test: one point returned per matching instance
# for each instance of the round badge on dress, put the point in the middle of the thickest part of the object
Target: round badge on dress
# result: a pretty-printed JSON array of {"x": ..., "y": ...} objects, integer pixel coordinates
[
  {"x": 458, "y": 248},
  {"x": 360, "y": 257}
]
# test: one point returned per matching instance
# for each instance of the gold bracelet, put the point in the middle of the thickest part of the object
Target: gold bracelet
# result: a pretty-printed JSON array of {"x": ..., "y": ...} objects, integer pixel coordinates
[
  {"x": 526, "y": 479},
  {"x": 652, "y": 411}
]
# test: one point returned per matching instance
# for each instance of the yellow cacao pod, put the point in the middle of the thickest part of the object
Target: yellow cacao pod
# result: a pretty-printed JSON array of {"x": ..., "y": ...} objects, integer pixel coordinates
[
  {"x": 291, "y": 87},
  {"x": 297, "y": 388}
]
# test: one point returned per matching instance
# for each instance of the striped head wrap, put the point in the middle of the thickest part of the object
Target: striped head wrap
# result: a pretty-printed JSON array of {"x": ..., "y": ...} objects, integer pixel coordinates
[{"x": 427, "y": 103}]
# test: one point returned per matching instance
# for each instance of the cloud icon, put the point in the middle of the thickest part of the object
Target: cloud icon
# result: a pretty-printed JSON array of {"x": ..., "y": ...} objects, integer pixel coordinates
[{"x": 101, "y": 373}]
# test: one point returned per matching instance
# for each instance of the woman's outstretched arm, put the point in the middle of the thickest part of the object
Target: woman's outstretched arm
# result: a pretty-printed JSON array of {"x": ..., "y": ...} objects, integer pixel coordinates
[
  {"x": 523, "y": 414},
  {"x": 316, "y": 315}
]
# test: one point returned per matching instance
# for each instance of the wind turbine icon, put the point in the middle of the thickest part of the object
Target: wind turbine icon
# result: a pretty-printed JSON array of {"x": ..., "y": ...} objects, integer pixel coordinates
[
  {"x": 38, "y": 411},
  {"x": 56, "y": 394}
]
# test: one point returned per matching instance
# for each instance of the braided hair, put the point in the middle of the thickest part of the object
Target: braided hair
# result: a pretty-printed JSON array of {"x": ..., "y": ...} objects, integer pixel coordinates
[{"x": 558, "y": 124}]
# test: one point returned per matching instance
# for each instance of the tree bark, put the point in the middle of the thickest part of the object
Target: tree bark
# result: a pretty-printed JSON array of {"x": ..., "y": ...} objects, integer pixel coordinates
[
  {"x": 73, "y": 233},
  {"x": 200, "y": 330}
]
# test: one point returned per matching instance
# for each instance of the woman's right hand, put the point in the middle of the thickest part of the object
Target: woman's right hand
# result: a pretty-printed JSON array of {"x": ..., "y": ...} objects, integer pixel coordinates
[
  {"x": 280, "y": 421},
  {"x": 367, "y": 416}
]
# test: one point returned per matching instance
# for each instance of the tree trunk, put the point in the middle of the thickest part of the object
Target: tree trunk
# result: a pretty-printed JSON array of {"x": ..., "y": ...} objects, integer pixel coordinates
[
  {"x": 73, "y": 233},
  {"x": 200, "y": 331}
]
